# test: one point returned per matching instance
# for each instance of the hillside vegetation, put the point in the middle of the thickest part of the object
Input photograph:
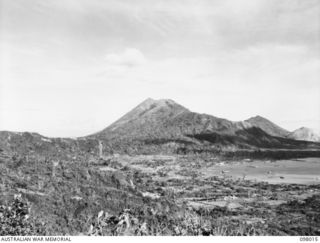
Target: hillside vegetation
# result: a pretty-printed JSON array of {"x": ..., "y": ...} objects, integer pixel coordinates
[{"x": 147, "y": 174}]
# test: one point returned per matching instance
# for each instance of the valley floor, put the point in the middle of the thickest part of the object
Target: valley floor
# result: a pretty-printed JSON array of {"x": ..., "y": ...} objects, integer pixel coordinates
[{"x": 166, "y": 195}]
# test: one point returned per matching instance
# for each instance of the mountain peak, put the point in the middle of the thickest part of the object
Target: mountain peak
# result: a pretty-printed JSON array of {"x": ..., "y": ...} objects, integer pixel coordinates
[
  {"x": 152, "y": 104},
  {"x": 304, "y": 128},
  {"x": 150, "y": 101},
  {"x": 257, "y": 118},
  {"x": 306, "y": 134},
  {"x": 147, "y": 101},
  {"x": 267, "y": 126},
  {"x": 149, "y": 110}
]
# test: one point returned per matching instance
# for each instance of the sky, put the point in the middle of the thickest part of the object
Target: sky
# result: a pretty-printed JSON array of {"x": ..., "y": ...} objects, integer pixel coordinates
[{"x": 72, "y": 67}]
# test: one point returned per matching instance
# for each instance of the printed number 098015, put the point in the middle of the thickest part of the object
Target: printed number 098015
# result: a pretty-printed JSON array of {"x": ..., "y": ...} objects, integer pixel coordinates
[{"x": 309, "y": 238}]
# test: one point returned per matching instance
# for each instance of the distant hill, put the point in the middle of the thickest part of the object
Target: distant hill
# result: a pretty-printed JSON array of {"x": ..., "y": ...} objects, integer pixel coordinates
[
  {"x": 164, "y": 125},
  {"x": 305, "y": 134},
  {"x": 267, "y": 126},
  {"x": 165, "y": 118},
  {"x": 22, "y": 143}
]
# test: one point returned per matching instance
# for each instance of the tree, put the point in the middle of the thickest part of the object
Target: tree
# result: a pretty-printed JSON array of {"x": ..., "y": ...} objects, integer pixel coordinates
[{"x": 15, "y": 219}]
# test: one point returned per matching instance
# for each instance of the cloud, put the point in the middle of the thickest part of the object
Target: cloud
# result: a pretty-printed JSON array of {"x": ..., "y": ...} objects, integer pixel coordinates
[
  {"x": 164, "y": 27},
  {"x": 130, "y": 57},
  {"x": 214, "y": 56}
]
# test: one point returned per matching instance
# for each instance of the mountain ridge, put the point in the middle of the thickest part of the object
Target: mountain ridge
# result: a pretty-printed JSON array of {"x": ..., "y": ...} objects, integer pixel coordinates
[
  {"x": 267, "y": 126},
  {"x": 165, "y": 123},
  {"x": 164, "y": 126}
]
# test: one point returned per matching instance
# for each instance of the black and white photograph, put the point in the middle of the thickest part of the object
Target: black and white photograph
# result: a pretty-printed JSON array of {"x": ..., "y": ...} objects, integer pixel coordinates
[{"x": 159, "y": 118}]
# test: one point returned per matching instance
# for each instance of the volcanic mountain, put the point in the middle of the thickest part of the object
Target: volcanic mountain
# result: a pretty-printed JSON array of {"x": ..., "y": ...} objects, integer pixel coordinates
[
  {"x": 158, "y": 126},
  {"x": 166, "y": 119},
  {"x": 162, "y": 125},
  {"x": 267, "y": 126},
  {"x": 305, "y": 134}
]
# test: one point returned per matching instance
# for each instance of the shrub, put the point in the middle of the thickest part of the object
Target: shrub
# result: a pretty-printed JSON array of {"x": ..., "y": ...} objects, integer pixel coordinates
[{"x": 15, "y": 219}]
